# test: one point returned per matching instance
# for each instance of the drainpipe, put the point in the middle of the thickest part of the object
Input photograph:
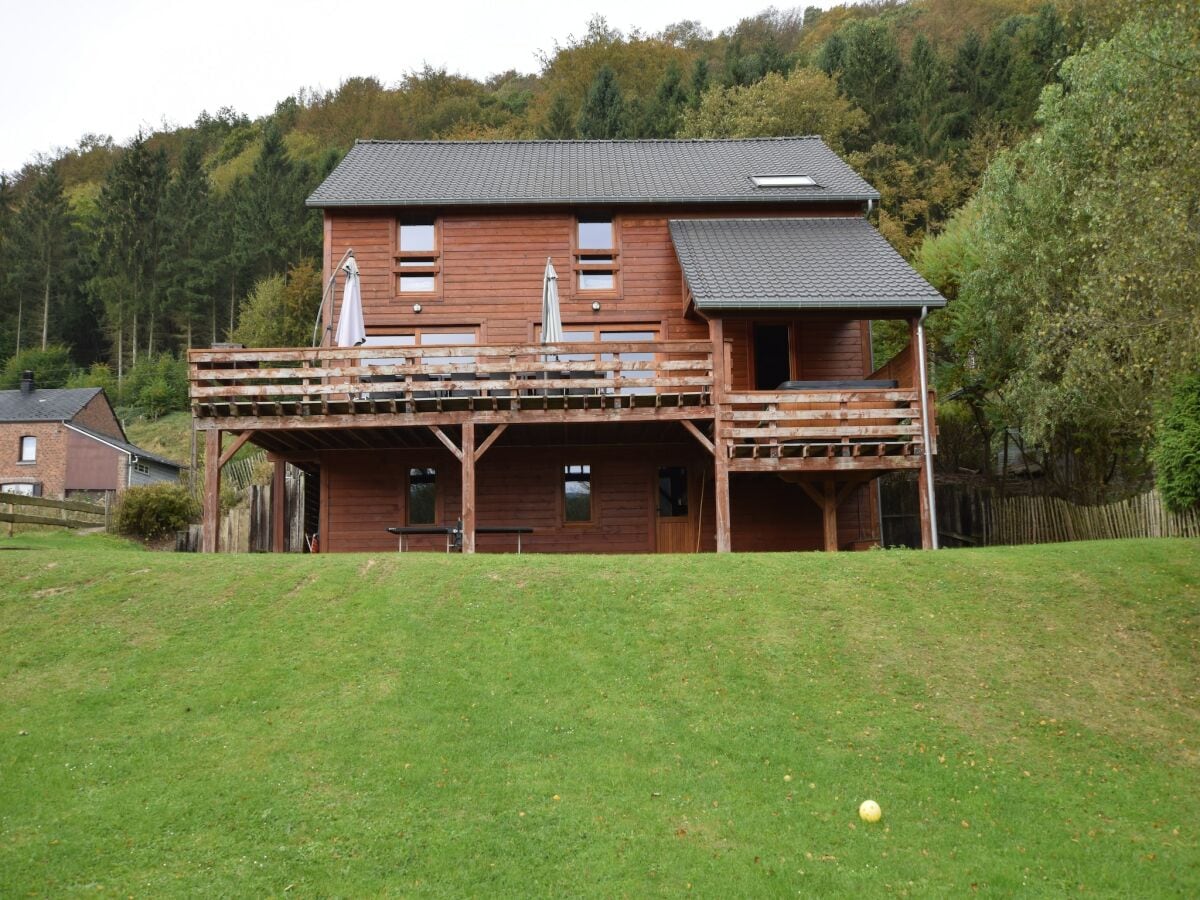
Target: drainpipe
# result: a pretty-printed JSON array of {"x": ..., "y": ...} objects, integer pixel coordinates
[{"x": 927, "y": 451}]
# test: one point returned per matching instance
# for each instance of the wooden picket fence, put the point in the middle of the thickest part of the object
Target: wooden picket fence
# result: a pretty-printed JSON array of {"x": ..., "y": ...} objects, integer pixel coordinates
[
  {"x": 247, "y": 527},
  {"x": 1044, "y": 520},
  {"x": 19, "y": 509}
]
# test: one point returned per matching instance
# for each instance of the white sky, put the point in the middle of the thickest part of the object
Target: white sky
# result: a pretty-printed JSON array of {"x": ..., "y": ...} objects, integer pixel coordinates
[{"x": 71, "y": 67}]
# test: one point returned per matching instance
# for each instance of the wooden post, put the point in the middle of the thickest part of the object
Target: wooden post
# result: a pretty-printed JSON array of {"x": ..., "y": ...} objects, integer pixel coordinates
[
  {"x": 923, "y": 473},
  {"x": 716, "y": 334},
  {"x": 468, "y": 487},
  {"x": 212, "y": 491},
  {"x": 279, "y": 506},
  {"x": 829, "y": 516}
]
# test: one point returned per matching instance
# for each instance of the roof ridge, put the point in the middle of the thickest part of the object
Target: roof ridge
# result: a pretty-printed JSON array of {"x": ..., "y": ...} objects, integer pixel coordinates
[{"x": 741, "y": 140}]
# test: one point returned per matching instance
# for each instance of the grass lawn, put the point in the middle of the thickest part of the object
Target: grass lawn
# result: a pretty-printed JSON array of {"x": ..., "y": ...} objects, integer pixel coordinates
[{"x": 418, "y": 724}]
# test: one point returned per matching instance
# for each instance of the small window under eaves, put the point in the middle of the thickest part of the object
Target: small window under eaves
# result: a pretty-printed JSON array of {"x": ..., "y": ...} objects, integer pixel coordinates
[{"x": 792, "y": 180}]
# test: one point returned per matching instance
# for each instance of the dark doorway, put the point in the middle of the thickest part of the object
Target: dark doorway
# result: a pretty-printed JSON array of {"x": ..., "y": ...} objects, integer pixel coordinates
[{"x": 772, "y": 356}]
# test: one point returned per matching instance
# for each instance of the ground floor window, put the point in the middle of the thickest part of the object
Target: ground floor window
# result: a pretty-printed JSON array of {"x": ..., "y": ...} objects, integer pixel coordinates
[
  {"x": 422, "y": 496},
  {"x": 577, "y": 493},
  {"x": 24, "y": 488}
]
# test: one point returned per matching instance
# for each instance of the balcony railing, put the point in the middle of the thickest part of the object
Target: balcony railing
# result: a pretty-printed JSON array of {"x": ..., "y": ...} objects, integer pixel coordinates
[
  {"x": 823, "y": 429},
  {"x": 605, "y": 375}
]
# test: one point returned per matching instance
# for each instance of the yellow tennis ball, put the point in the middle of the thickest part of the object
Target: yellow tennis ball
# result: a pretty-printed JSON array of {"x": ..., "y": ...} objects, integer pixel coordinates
[{"x": 869, "y": 811}]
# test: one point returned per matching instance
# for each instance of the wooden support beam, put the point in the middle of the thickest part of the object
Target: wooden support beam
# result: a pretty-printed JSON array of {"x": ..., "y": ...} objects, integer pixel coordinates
[
  {"x": 489, "y": 440},
  {"x": 278, "y": 505},
  {"x": 814, "y": 495},
  {"x": 698, "y": 435},
  {"x": 211, "y": 509},
  {"x": 468, "y": 488},
  {"x": 237, "y": 445},
  {"x": 829, "y": 519},
  {"x": 716, "y": 334},
  {"x": 441, "y": 436}
]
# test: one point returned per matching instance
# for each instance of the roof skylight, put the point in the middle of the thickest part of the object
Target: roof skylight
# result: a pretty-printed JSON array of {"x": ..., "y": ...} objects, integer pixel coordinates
[{"x": 789, "y": 180}]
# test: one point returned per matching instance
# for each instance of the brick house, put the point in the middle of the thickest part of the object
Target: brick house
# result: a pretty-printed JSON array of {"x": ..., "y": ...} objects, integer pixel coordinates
[{"x": 68, "y": 442}]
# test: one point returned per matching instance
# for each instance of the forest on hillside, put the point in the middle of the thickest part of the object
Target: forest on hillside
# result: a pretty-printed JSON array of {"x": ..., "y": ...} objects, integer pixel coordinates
[{"x": 1036, "y": 161}]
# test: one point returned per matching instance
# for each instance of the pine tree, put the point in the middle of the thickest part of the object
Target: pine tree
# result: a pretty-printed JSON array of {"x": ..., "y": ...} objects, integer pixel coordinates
[
  {"x": 44, "y": 244},
  {"x": 560, "y": 120},
  {"x": 660, "y": 118},
  {"x": 603, "y": 114},
  {"x": 699, "y": 82},
  {"x": 931, "y": 111},
  {"x": 271, "y": 227},
  {"x": 188, "y": 253},
  {"x": 966, "y": 75},
  {"x": 871, "y": 74},
  {"x": 129, "y": 230}
]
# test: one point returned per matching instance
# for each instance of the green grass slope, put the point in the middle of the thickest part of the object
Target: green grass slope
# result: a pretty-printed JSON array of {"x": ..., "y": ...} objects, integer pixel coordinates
[{"x": 353, "y": 725}]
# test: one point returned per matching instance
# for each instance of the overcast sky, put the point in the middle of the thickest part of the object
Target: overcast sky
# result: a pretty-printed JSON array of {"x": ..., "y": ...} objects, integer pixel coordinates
[{"x": 71, "y": 68}]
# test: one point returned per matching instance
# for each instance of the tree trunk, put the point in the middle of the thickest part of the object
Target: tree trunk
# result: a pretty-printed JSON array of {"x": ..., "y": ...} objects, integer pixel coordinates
[
  {"x": 46, "y": 308},
  {"x": 20, "y": 309}
]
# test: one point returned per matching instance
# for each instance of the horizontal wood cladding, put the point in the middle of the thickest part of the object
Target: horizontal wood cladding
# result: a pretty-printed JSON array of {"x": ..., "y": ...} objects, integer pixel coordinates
[
  {"x": 823, "y": 348},
  {"x": 492, "y": 261},
  {"x": 365, "y": 493}
]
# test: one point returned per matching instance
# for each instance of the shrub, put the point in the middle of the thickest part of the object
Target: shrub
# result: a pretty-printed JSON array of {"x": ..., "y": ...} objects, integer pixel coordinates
[
  {"x": 1176, "y": 453},
  {"x": 153, "y": 510},
  {"x": 51, "y": 367},
  {"x": 157, "y": 385}
]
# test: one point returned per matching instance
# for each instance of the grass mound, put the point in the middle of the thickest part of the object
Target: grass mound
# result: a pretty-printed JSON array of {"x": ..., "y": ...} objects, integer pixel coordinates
[{"x": 350, "y": 725}]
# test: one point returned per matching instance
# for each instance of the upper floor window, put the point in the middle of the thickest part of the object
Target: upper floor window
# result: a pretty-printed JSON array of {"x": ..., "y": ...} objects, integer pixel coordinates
[
  {"x": 596, "y": 253},
  {"x": 28, "y": 451},
  {"x": 418, "y": 256}
]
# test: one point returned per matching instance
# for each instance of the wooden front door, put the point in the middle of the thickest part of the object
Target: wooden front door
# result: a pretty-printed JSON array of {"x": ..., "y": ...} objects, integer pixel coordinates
[{"x": 674, "y": 526}]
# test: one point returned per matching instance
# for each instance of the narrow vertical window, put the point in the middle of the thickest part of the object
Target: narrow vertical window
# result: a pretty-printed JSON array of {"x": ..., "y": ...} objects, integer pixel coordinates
[
  {"x": 596, "y": 254},
  {"x": 28, "y": 451},
  {"x": 422, "y": 496},
  {"x": 577, "y": 493},
  {"x": 418, "y": 258}
]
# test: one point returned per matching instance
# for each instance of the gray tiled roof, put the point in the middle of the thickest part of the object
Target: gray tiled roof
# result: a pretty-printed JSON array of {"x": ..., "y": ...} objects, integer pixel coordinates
[
  {"x": 126, "y": 447},
  {"x": 612, "y": 173},
  {"x": 786, "y": 263},
  {"x": 44, "y": 404}
]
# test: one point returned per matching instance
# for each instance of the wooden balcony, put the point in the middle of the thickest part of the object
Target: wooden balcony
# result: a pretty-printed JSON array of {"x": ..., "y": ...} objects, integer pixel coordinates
[
  {"x": 815, "y": 430},
  {"x": 338, "y": 387}
]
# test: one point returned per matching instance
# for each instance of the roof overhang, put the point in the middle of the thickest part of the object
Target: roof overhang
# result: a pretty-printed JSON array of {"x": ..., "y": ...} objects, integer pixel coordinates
[{"x": 791, "y": 264}]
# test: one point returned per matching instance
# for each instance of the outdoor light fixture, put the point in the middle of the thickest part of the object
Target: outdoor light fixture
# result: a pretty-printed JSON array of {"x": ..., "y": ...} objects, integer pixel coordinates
[
  {"x": 595, "y": 306},
  {"x": 416, "y": 307}
]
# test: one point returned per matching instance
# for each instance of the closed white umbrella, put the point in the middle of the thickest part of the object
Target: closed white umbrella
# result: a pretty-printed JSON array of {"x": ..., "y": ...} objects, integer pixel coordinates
[
  {"x": 351, "y": 331},
  {"x": 552, "y": 332}
]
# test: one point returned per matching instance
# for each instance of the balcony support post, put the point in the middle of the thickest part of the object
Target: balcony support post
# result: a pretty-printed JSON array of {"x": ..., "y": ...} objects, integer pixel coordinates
[
  {"x": 716, "y": 334},
  {"x": 211, "y": 508},
  {"x": 468, "y": 487},
  {"x": 278, "y": 505},
  {"x": 829, "y": 505}
]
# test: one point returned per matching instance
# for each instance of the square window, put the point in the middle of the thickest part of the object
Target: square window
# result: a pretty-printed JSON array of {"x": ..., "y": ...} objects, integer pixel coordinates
[
  {"x": 417, "y": 237},
  {"x": 577, "y": 493},
  {"x": 28, "y": 449},
  {"x": 422, "y": 496},
  {"x": 595, "y": 234}
]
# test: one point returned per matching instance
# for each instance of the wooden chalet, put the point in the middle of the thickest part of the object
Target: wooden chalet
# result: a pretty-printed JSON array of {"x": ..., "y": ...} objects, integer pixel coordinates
[{"x": 714, "y": 388}]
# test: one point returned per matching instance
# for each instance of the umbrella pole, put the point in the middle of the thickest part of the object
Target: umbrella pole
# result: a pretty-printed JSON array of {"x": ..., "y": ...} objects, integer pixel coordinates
[{"x": 325, "y": 296}]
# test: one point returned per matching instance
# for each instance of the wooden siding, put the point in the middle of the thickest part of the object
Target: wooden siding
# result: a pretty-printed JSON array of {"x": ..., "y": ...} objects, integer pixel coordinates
[
  {"x": 491, "y": 278},
  {"x": 364, "y": 493}
]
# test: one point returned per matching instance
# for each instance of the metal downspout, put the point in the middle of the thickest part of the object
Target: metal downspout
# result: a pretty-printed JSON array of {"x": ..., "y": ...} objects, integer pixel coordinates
[{"x": 926, "y": 449}]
